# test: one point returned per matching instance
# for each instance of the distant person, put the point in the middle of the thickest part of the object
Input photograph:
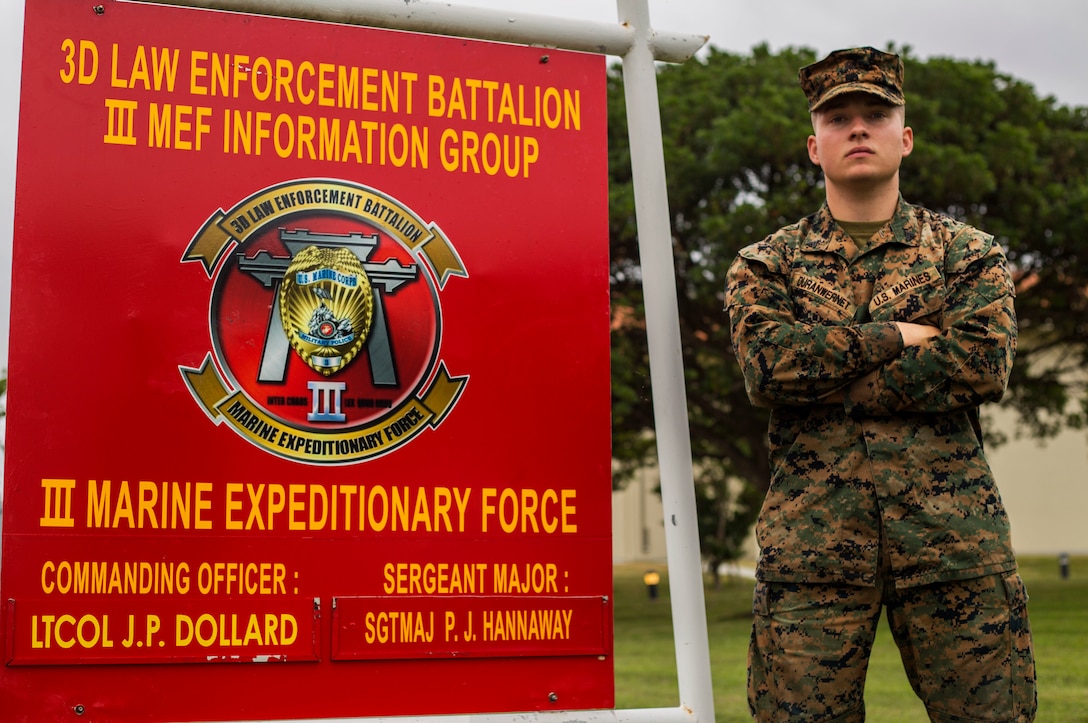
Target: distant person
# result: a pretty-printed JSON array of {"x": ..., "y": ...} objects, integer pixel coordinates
[{"x": 873, "y": 330}]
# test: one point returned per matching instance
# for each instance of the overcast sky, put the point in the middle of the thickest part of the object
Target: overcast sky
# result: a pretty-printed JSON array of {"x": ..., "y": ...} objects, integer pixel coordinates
[{"x": 1041, "y": 42}]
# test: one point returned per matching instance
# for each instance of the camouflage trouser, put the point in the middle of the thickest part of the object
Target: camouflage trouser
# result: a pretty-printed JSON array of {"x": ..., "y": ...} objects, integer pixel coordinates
[{"x": 966, "y": 647}]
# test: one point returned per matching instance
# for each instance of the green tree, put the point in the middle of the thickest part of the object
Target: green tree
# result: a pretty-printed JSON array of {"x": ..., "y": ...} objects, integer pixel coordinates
[{"x": 988, "y": 150}]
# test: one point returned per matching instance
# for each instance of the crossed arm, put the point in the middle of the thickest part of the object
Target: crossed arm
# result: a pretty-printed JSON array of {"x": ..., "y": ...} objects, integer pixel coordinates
[{"x": 876, "y": 368}]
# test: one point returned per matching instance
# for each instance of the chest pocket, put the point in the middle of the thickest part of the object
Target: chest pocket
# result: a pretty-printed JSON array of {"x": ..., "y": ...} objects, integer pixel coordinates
[{"x": 914, "y": 294}]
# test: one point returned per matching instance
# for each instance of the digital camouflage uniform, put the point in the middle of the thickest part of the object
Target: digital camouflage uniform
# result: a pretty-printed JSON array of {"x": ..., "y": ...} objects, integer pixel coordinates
[
  {"x": 879, "y": 478},
  {"x": 881, "y": 495},
  {"x": 899, "y": 451}
]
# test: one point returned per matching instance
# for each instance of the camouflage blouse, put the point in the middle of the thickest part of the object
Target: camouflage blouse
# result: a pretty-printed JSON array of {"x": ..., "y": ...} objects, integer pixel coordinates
[{"x": 873, "y": 443}]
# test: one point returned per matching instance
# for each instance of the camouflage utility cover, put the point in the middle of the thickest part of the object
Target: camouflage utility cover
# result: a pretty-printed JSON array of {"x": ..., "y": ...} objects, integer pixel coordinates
[
  {"x": 855, "y": 70},
  {"x": 872, "y": 442}
]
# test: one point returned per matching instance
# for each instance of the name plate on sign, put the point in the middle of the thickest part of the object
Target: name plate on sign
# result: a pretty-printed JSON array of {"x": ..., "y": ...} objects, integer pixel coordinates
[{"x": 480, "y": 626}]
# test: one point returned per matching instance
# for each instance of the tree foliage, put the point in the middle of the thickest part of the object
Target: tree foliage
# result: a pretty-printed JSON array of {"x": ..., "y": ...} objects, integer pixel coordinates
[{"x": 988, "y": 150}]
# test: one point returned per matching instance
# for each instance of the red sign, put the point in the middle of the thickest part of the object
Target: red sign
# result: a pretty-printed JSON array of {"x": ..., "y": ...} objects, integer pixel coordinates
[{"x": 309, "y": 409}]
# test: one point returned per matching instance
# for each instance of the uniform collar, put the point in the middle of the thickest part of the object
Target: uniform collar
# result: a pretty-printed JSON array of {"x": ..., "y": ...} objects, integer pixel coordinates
[{"x": 829, "y": 237}]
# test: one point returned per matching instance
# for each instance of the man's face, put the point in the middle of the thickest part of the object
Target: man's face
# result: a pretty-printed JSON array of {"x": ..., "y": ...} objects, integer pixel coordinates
[{"x": 859, "y": 140}]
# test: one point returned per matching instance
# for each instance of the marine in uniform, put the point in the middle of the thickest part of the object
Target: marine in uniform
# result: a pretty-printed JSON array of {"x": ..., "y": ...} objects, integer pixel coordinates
[{"x": 873, "y": 330}]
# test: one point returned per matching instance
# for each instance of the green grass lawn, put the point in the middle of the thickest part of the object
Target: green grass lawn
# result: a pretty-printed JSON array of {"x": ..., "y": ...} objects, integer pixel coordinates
[{"x": 646, "y": 663}]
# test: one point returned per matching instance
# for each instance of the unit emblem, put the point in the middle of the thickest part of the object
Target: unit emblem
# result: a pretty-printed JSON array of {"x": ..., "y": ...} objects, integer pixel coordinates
[{"x": 325, "y": 321}]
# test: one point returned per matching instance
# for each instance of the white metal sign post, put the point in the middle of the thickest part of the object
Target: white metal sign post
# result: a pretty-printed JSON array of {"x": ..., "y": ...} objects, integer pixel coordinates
[{"x": 633, "y": 39}]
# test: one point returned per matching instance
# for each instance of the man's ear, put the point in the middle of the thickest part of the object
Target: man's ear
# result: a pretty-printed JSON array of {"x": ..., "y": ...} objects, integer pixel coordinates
[
  {"x": 814, "y": 151},
  {"x": 908, "y": 141}
]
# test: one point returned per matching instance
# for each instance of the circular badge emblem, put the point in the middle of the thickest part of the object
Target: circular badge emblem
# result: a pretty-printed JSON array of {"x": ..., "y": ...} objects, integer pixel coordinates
[{"x": 325, "y": 321}]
